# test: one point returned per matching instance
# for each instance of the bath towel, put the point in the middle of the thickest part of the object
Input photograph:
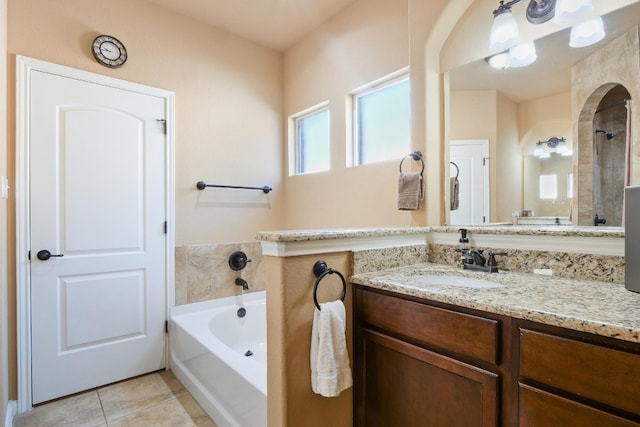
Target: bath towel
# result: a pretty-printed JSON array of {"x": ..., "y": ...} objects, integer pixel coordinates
[
  {"x": 454, "y": 193},
  {"x": 410, "y": 191},
  {"x": 330, "y": 370}
]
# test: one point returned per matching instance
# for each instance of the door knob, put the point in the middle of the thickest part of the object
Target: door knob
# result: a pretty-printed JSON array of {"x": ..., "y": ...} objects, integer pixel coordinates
[{"x": 44, "y": 255}]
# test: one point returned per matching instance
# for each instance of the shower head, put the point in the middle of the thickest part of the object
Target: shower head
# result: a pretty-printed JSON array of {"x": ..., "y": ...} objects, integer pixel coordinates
[{"x": 609, "y": 135}]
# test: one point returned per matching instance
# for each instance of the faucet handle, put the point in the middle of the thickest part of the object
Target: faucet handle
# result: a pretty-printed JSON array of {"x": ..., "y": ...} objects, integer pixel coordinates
[{"x": 492, "y": 258}]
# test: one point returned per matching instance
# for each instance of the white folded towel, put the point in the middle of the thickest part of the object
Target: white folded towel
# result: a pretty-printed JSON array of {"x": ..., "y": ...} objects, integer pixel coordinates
[{"x": 330, "y": 370}]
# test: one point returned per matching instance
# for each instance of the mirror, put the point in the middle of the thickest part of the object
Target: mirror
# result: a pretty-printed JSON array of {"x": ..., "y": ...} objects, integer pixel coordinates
[{"x": 521, "y": 109}]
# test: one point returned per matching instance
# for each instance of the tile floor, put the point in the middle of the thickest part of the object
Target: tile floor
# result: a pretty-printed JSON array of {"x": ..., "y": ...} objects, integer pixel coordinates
[{"x": 154, "y": 400}]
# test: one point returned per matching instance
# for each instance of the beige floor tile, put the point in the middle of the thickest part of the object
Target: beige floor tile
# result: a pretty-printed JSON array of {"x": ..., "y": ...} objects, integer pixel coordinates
[
  {"x": 167, "y": 414},
  {"x": 82, "y": 410},
  {"x": 173, "y": 383},
  {"x": 196, "y": 413},
  {"x": 134, "y": 395}
]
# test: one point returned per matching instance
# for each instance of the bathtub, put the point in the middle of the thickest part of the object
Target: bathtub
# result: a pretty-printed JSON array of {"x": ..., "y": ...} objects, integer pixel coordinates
[{"x": 221, "y": 358}]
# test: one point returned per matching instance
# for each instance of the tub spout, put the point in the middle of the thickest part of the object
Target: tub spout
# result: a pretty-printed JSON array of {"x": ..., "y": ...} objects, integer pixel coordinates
[{"x": 243, "y": 283}]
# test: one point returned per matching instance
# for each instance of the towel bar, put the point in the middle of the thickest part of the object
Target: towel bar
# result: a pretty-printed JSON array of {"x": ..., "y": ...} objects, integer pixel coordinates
[
  {"x": 201, "y": 185},
  {"x": 320, "y": 270}
]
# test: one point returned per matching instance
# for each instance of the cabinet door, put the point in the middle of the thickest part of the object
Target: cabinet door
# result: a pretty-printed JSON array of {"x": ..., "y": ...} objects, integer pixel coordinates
[
  {"x": 400, "y": 384},
  {"x": 539, "y": 408}
]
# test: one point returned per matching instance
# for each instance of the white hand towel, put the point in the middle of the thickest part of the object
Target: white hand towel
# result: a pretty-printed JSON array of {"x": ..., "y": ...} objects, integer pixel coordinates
[{"x": 330, "y": 370}]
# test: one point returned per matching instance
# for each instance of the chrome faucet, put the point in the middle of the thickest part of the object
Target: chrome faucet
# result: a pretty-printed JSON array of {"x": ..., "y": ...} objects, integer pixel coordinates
[{"x": 243, "y": 283}]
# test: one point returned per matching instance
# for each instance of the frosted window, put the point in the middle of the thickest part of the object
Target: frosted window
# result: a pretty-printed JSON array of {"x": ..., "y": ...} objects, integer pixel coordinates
[
  {"x": 569, "y": 185},
  {"x": 549, "y": 186},
  {"x": 312, "y": 142},
  {"x": 381, "y": 122}
]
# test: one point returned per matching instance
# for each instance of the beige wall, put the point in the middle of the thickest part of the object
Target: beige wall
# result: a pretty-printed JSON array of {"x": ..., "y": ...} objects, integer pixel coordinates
[
  {"x": 228, "y": 102},
  {"x": 506, "y": 162},
  {"x": 365, "y": 42},
  {"x": 290, "y": 283},
  {"x": 4, "y": 307}
]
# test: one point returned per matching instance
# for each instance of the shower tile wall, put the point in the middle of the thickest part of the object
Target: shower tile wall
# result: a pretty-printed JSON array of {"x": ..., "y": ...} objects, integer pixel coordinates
[
  {"x": 609, "y": 159},
  {"x": 203, "y": 272}
]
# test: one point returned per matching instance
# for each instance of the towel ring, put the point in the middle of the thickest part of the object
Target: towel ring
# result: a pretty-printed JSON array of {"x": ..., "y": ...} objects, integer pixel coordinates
[
  {"x": 320, "y": 270},
  {"x": 416, "y": 155},
  {"x": 457, "y": 169}
]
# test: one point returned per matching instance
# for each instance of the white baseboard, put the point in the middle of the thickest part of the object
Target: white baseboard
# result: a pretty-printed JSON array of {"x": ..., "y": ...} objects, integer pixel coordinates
[{"x": 12, "y": 407}]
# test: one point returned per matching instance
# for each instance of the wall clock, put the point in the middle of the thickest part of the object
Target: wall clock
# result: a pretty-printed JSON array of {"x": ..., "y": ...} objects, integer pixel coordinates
[{"x": 109, "y": 51}]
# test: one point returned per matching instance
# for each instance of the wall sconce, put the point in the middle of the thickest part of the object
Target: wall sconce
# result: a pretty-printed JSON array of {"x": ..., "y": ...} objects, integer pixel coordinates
[
  {"x": 505, "y": 34},
  {"x": 544, "y": 149}
]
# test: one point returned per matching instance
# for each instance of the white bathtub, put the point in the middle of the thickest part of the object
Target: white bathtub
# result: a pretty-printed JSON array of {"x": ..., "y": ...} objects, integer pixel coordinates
[{"x": 209, "y": 355}]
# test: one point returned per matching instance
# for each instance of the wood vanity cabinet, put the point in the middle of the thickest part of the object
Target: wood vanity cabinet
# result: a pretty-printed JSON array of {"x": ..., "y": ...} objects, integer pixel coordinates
[
  {"x": 572, "y": 379},
  {"x": 417, "y": 364},
  {"x": 422, "y": 363}
]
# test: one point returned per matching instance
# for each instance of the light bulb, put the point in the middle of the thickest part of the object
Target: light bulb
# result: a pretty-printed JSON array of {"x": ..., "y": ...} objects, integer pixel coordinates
[
  {"x": 569, "y": 12},
  {"x": 587, "y": 33},
  {"x": 522, "y": 54},
  {"x": 504, "y": 32},
  {"x": 499, "y": 61}
]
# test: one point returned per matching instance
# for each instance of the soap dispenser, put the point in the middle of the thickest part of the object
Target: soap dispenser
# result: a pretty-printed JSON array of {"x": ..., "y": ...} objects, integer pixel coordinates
[{"x": 464, "y": 248}]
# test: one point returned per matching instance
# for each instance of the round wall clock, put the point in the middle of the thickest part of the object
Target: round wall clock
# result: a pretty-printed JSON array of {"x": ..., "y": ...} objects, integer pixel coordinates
[{"x": 109, "y": 51}]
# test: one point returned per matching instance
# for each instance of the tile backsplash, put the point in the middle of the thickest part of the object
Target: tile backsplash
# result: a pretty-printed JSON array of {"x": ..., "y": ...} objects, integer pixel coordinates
[{"x": 203, "y": 272}]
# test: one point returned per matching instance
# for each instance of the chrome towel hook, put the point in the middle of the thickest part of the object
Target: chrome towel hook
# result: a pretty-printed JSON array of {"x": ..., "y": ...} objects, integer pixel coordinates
[{"x": 320, "y": 270}]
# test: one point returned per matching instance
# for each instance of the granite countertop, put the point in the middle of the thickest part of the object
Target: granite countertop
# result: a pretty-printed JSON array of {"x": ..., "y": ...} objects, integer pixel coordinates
[
  {"x": 338, "y": 233},
  {"x": 606, "y": 309},
  {"x": 515, "y": 230}
]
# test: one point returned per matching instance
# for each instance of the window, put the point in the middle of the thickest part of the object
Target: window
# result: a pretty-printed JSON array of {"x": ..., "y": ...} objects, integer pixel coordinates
[
  {"x": 381, "y": 117},
  {"x": 549, "y": 186},
  {"x": 311, "y": 130},
  {"x": 570, "y": 185}
]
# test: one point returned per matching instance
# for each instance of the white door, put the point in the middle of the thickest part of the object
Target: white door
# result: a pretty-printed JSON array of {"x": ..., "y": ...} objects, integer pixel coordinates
[
  {"x": 471, "y": 158},
  {"x": 97, "y": 186}
]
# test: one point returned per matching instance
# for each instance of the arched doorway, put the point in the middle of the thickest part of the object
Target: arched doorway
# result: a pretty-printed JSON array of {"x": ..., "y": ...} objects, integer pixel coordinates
[{"x": 602, "y": 159}]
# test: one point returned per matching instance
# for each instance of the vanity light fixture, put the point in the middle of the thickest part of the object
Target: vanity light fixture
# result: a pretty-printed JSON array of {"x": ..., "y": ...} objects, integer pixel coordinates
[
  {"x": 505, "y": 34},
  {"x": 544, "y": 149},
  {"x": 518, "y": 56}
]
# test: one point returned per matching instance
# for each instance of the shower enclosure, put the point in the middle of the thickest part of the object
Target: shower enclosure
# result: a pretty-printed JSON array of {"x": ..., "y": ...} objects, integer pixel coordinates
[{"x": 609, "y": 154}]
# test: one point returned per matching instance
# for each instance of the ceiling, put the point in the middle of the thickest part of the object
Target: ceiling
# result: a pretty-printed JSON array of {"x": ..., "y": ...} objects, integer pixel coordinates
[
  {"x": 551, "y": 72},
  {"x": 276, "y": 24}
]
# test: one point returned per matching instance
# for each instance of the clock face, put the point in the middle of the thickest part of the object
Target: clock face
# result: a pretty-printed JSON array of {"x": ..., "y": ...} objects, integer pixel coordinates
[{"x": 109, "y": 51}]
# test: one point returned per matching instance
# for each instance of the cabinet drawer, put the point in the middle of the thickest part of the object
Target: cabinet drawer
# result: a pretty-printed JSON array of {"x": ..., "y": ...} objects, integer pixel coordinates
[
  {"x": 541, "y": 409},
  {"x": 598, "y": 373},
  {"x": 461, "y": 333}
]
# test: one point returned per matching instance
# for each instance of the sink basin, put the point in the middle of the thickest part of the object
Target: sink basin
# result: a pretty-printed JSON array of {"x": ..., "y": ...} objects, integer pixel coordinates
[{"x": 459, "y": 281}]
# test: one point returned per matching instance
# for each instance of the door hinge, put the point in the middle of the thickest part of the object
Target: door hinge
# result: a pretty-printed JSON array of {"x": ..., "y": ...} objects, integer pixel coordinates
[
  {"x": 484, "y": 219},
  {"x": 165, "y": 227},
  {"x": 29, "y": 255},
  {"x": 163, "y": 122},
  {"x": 166, "y": 326}
]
